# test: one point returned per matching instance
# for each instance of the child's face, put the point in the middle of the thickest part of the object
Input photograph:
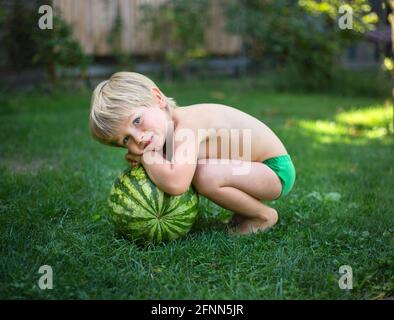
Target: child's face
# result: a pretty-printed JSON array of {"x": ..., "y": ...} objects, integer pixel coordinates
[{"x": 144, "y": 125}]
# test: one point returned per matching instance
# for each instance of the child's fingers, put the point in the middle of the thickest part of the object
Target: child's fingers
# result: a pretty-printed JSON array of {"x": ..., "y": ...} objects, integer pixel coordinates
[
  {"x": 134, "y": 163},
  {"x": 130, "y": 157},
  {"x": 131, "y": 160}
]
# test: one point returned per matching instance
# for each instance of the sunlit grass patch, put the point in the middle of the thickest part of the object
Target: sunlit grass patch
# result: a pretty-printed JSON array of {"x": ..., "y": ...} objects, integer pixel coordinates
[
  {"x": 323, "y": 127},
  {"x": 371, "y": 117},
  {"x": 369, "y": 123}
]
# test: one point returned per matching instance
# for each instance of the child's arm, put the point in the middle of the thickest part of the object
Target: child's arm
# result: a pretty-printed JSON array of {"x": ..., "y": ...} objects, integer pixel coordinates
[{"x": 173, "y": 177}]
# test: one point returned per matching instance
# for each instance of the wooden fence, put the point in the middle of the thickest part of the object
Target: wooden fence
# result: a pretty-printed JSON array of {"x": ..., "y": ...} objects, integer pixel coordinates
[{"x": 92, "y": 20}]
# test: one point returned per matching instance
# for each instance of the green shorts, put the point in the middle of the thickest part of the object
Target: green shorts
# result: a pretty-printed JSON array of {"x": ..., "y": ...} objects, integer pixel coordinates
[{"x": 284, "y": 168}]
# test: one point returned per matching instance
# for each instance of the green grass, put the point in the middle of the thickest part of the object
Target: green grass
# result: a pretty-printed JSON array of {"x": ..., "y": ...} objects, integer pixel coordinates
[{"x": 54, "y": 181}]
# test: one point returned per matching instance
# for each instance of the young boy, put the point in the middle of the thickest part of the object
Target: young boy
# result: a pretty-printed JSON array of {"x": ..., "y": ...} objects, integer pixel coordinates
[{"x": 195, "y": 144}]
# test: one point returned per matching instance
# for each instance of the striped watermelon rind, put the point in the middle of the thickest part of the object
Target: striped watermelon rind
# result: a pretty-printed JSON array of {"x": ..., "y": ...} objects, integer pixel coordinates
[{"x": 141, "y": 211}]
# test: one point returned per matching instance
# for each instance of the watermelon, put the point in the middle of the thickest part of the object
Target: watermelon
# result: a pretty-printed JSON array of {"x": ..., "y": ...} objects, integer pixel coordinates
[{"x": 141, "y": 211}]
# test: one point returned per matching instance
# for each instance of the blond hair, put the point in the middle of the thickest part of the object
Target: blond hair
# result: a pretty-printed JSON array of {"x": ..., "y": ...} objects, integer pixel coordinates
[{"x": 114, "y": 99}]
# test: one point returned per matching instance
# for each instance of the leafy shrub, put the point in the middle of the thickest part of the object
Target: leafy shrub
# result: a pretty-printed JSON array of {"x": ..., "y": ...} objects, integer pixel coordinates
[
  {"x": 302, "y": 35},
  {"x": 26, "y": 45},
  {"x": 17, "y": 43}
]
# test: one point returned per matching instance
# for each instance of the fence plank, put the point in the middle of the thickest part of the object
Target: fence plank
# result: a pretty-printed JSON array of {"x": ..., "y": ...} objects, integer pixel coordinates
[{"x": 92, "y": 21}]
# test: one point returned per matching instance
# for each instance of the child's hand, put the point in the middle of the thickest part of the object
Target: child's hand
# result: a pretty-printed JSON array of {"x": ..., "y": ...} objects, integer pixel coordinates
[
  {"x": 133, "y": 159},
  {"x": 134, "y": 164}
]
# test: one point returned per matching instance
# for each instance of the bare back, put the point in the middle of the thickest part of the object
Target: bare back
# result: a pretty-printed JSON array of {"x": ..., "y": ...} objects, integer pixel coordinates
[{"x": 220, "y": 128}]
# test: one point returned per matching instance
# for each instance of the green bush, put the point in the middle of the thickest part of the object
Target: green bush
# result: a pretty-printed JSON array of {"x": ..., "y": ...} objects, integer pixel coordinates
[
  {"x": 27, "y": 46},
  {"x": 16, "y": 36},
  {"x": 303, "y": 35}
]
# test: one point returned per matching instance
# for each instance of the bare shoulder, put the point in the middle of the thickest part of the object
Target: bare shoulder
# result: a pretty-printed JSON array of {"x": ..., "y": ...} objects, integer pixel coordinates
[
  {"x": 208, "y": 112},
  {"x": 201, "y": 115},
  {"x": 211, "y": 106}
]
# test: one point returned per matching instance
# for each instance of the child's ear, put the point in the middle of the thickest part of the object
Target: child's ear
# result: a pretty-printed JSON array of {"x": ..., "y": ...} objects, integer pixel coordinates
[{"x": 160, "y": 97}]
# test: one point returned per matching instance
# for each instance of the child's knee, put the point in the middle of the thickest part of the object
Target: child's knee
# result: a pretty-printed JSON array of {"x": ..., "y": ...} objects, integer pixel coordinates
[
  {"x": 203, "y": 180},
  {"x": 198, "y": 178}
]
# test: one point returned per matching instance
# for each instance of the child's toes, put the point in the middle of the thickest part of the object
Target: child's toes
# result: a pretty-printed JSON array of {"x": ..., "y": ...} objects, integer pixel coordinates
[{"x": 234, "y": 230}]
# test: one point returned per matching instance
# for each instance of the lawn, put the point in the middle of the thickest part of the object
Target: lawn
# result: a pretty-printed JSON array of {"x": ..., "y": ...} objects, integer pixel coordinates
[{"x": 54, "y": 182}]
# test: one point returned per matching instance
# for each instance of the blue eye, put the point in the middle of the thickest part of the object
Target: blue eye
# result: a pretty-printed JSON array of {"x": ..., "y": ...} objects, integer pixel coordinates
[
  {"x": 137, "y": 120},
  {"x": 125, "y": 140}
]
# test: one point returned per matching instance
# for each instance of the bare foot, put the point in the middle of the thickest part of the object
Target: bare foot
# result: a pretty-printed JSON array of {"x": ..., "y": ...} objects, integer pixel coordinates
[
  {"x": 236, "y": 219},
  {"x": 234, "y": 223},
  {"x": 252, "y": 225}
]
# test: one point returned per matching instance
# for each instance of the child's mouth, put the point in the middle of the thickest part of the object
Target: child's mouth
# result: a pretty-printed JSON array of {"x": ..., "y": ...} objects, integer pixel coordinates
[{"x": 148, "y": 142}]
